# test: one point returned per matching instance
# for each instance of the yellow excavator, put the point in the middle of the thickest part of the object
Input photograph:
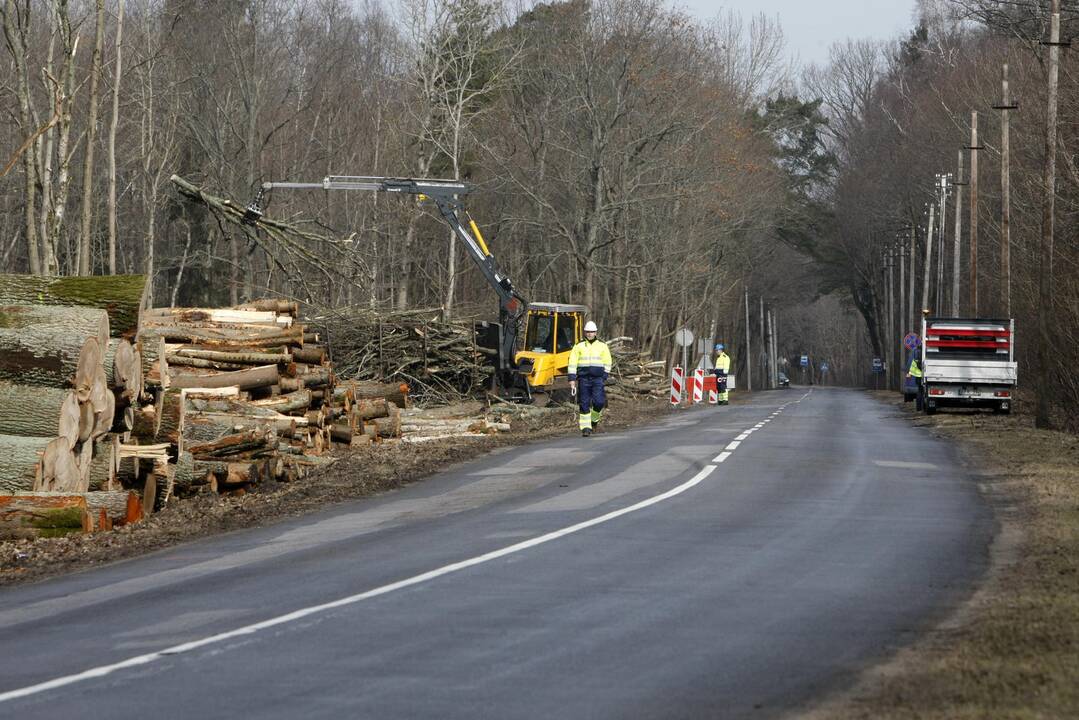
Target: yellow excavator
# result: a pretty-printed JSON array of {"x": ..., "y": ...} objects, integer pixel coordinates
[{"x": 537, "y": 372}]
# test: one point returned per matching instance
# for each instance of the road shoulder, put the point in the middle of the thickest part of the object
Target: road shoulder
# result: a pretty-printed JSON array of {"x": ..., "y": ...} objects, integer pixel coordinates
[{"x": 1012, "y": 650}]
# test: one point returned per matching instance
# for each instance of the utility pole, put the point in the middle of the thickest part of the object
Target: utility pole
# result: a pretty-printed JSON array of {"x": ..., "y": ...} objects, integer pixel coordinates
[
  {"x": 944, "y": 181},
  {"x": 764, "y": 347},
  {"x": 749, "y": 354},
  {"x": 957, "y": 258},
  {"x": 901, "y": 249},
  {"x": 889, "y": 263},
  {"x": 913, "y": 234},
  {"x": 775, "y": 348},
  {"x": 928, "y": 257},
  {"x": 1005, "y": 197},
  {"x": 1046, "y": 314},
  {"x": 771, "y": 352},
  {"x": 974, "y": 148}
]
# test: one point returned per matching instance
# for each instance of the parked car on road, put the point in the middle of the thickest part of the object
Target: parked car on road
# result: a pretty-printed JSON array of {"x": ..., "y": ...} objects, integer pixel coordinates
[{"x": 784, "y": 381}]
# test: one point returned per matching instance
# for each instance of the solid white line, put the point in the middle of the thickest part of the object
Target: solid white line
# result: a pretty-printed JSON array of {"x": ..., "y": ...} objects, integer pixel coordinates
[
  {"x": 721, "y": 457},
  {"x": 104, "y": 670},
  {"x": 733, "y": 445}
]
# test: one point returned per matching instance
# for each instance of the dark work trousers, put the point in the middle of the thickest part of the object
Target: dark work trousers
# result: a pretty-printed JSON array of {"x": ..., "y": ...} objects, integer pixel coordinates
[
  {"x": 920, "y": 396},
  {"x": 591, "y": 397}
]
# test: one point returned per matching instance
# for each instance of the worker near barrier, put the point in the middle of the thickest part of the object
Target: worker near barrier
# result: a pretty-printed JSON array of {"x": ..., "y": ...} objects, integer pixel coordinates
[
  {"x": 722, "y": 366},
  {"x": 915, "y": 371},
  {"x": 589, "y": 366}
]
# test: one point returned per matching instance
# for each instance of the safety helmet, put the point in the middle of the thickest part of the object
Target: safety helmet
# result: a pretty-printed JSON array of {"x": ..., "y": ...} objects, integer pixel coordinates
[
  {"x": 590, "y": 327},
  {"x": 719, "y": 346}
]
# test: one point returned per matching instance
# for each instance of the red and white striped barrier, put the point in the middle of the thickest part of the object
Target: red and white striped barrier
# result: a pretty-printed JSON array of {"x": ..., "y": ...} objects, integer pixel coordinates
[
  {"x": 677, "y": 379},
  {"x": 698, "y": 385},
  {"x": 713, "y": 397}
]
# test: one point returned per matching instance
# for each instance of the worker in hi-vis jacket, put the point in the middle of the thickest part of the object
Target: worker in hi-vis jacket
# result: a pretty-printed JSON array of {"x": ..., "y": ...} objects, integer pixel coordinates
[
  {"x": 589, "y": 366},
  {"x": 722, "y": 367}
]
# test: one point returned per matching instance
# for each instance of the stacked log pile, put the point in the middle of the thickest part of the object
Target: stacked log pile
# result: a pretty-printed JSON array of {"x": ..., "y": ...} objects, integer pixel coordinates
[
  {"x": 244, "y": 395},
  {"x": 438, "y": 360},
  {"x": 69, "y": 384}
]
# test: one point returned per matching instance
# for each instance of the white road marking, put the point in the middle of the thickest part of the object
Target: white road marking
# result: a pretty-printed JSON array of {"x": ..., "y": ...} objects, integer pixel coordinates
[
  {"x": 905, "y": 465},
  {"x": 742, "y": 437},
  {"x": 103, "y": 670},
  {"x": 721, "y": 457},
  {"x": 734, "y": 445}
]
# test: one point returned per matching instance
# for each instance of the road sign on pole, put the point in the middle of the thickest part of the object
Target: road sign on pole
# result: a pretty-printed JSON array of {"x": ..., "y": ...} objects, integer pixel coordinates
[
  {"x": 684, "y": 337},
  {"x": 911, "y": 341},
  {"x": 805, "y": 361}
]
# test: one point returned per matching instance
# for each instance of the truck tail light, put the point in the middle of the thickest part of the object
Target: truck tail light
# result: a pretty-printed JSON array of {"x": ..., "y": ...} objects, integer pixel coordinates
[
  {"x": 1002, "y": 393},
  {"x": 936, "y": 391}
]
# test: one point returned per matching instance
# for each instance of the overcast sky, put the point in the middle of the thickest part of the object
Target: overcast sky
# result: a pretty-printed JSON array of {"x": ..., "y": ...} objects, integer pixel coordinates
[{"x": 810, "y": 26}]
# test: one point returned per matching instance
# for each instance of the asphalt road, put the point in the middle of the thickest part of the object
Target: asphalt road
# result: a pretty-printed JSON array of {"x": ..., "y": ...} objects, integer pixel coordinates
[{"x": 690, "y": 569}]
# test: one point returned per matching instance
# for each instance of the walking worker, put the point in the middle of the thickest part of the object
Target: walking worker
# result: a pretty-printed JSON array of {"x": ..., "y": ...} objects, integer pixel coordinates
[
  {"x": 915, "y": 371},
  {"x": 722, "y": 367},
  {"x": 589, "y": 366}
]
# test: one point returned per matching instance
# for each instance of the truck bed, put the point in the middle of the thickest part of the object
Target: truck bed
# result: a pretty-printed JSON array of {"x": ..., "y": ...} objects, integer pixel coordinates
[{"x": 981, "y": 372}]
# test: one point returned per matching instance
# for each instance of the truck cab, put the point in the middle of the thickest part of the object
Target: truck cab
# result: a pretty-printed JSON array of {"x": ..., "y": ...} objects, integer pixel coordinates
[{"x": 551, "y": 331}]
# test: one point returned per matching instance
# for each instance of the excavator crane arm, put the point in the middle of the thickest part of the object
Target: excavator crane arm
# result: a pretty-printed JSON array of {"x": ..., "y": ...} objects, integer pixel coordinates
[{"x": 446, "y": 196}]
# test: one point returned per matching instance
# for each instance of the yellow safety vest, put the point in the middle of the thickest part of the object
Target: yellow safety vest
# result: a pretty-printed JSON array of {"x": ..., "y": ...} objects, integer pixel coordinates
[
  {"x": 590, "y": 359},
  {"x": 914, "y": 370},
  {"x": 723, "y": 362}
]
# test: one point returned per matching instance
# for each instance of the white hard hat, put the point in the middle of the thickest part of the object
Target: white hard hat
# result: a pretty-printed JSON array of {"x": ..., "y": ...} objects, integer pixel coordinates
[{"x": 590, "y": 327}]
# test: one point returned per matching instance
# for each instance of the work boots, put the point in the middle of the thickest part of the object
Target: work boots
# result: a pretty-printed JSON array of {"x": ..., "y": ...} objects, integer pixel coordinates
[{"x": 587, "y": 432}]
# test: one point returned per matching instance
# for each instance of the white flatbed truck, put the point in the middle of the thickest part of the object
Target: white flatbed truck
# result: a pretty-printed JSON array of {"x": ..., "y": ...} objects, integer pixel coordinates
[{"x": 968, "y": 362}]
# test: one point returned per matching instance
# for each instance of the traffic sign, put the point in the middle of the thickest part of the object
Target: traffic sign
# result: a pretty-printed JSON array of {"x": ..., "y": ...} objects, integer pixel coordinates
[
  {"x": 878, "y": 365},
  {"x": 684, "y": 337},
  {"x": 911, "y": 341},
  {"x": 805, "y": 361},
  {"x": 824, "y": 367}
]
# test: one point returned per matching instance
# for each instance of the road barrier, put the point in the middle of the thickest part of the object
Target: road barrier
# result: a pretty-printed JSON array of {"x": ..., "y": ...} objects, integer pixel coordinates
[
  {"x": 698, "y": 385},
  {"x": 676, "y": 385}
]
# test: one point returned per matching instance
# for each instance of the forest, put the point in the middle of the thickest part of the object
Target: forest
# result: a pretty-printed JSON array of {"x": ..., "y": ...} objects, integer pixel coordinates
[{"x": 664, "y": 170}]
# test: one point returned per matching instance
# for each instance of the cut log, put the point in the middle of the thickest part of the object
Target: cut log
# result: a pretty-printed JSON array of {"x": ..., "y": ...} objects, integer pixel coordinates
[
  {"x": 222, "y": 316},
  {"x": 289, "y": 402},
  {"x": 371, "y": 408},
  {"x": 143, "y": 425},
  {"x": 36, "y": 411},
  {"x": 318, "y": 377},
  {"x": 98, "y": 468},
  {"x": 59, "y": 468},
  {"x": 313, "y": 355},
  {"x": 182, "y": 361},
  {"x": 240, "y": 358},
  {"x": 396, "y": 393},
  {"x": 103, "y": 419},
  {"x": 234, "y": 444},
  {"x": 19, "y": 459},
  {"x": 253, "y": 336},
  {"x": 170, "y": 416},
  {"x": 256, "y": 377},
  {"x": 121, "y": 296},
  {"x": 42, "y": 345},
  {"x": 124, "y": 420},
  {"x": 127, "y": 475},
  {"x": 341, "y": 434},
  {"x": 286, "y": 307},
  {"x": 151, "y": 350}
]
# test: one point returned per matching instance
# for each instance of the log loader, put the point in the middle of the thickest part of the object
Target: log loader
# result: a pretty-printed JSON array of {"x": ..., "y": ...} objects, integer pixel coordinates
[{"x": 535, "y": 373}]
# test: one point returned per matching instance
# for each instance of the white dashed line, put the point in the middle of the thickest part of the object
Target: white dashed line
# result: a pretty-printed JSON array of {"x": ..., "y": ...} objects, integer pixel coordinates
[
  {"x": 721, "y": 457},
  {"x": 734, "y": 445}
]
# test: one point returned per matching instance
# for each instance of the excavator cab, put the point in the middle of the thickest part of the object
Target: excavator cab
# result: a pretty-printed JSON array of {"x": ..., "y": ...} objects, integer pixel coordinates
[{"x": 551, "y": 331}]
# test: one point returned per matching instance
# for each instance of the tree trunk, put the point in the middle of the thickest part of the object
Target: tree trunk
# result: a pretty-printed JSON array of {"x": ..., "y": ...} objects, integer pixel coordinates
[
  {"x": 85, "y": 266},
  {"x": 117, "y": 74}
]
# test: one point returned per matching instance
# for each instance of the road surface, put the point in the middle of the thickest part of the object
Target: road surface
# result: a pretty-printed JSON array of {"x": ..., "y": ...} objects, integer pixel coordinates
[{"x": 736, "y": 561}]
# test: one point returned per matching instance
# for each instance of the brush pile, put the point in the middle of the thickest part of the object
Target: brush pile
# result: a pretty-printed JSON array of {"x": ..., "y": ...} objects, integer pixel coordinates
[
  {"x": 634, "y": 374},
  {"x": 440, "y": 361}
]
